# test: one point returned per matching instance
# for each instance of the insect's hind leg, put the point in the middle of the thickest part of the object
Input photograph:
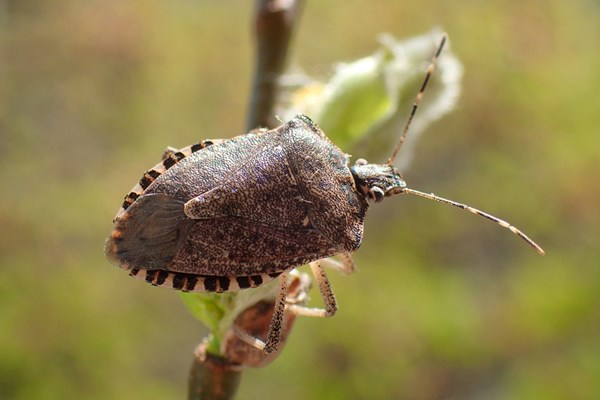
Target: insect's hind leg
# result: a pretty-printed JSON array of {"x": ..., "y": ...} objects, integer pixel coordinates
[
  {"x": 283, "y": 305},
  {"x": 276, "y": 326}
]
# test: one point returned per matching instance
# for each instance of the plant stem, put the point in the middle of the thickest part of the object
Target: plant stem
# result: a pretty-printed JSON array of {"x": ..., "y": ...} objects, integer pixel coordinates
[
  {"x": 274, "y": 24},
  {"x": 212, "y": 377}
]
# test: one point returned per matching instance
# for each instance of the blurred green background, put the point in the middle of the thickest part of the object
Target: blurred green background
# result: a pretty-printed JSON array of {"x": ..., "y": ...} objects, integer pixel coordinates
[{"x": 444, "y": 305}]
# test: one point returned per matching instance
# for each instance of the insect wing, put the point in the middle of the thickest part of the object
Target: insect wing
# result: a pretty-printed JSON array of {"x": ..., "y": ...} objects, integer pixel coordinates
[
  {"x": 150, "y": 233},
  {"x": 261, "y": 189},
  {"x": 154, "y": 226}
]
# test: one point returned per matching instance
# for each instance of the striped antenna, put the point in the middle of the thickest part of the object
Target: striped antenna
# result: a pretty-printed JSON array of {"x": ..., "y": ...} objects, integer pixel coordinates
[
  {"x": 430, "y": 70},
  {"x": 475, "y": 211}
]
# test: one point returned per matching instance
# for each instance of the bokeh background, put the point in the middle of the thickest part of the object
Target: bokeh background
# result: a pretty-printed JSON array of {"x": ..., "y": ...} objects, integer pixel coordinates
[{"x": 444, "y": 305}]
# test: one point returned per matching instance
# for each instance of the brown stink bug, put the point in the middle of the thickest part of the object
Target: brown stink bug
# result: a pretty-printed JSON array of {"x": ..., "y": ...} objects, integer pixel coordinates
[{"x": 225, "y": 215}]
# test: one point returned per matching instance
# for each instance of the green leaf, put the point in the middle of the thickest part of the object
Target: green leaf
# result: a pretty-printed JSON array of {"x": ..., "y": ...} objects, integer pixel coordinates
[{"x": 371, "y": 97}]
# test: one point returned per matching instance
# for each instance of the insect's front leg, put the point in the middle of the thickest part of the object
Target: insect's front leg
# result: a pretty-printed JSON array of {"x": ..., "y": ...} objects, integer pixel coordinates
[
  {"x": 345, "y": 264},
  {"x": 326, "y": 293}
]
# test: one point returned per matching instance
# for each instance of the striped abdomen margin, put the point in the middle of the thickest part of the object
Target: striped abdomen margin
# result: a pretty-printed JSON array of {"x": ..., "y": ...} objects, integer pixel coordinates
[
  {"x": 200, "y": 283},
  {"x": 150, "y": 176},
  {"x": 171, "y": 158}
]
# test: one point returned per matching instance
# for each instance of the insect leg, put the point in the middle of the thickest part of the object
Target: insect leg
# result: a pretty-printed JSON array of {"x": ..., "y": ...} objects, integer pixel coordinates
[
  {"x": 276, "y": 325},
  {"x": 345, "y": 265},
  {"x": 326, "y": 293},
  {"x": 248, "y": 338}
]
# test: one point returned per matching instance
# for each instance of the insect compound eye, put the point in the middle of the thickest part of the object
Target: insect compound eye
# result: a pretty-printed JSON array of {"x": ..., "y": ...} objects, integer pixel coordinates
[{"x": 376, "y": 194}]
